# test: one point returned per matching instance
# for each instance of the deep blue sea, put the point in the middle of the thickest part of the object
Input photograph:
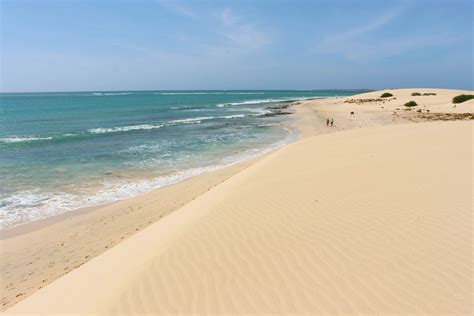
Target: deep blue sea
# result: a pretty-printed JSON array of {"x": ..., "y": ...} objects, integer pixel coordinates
[{"x": 63, "y": 151}]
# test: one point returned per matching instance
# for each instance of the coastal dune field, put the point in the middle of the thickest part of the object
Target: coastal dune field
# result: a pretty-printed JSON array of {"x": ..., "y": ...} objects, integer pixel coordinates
[
  {"x": 371, "y": 220},
  {"x": 370, "y": 109},
  {"x": 173, "y": 157}
]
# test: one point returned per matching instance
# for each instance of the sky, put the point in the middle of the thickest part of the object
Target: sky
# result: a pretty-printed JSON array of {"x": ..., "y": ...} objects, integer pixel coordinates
[{"x": 103, "y": 45}]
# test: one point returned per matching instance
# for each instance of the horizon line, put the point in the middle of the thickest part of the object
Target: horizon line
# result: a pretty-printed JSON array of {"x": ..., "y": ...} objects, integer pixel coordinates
[{"x": 159, "y": 90}]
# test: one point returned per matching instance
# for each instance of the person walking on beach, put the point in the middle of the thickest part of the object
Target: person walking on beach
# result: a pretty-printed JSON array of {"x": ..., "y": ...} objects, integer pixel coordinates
[
  {"x": 332, "y": 122},
  {"x": 327, "y": 122}
]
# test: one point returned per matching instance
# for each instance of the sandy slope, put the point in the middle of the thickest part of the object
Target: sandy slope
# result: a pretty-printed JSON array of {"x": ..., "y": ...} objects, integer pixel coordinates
[
  {"x": 36, "y": 254},
  {"x": 371, "y": 110},
  {"x": 375, "y": 220},
  {"x": 441, "y": 102}
]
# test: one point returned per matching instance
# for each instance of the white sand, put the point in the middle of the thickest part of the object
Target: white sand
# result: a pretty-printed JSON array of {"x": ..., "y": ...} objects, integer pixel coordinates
[
  {"x": 379, "y": 111},
  {"x": 374, "y": 220},
  {"x": 36, "y": 254}
]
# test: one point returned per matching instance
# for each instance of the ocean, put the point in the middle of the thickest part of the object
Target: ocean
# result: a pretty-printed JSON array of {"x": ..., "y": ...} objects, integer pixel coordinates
[{"x": 68, "y": 150}]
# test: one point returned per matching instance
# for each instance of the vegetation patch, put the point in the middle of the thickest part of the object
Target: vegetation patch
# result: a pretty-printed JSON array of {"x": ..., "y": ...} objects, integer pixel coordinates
[
  {"x": 415, "y": 94},
  {"x": 386, "y": 95},
  {"x": 411, "y": 104},
  {"x": 429, "y": 93},
  {"x": 462, "y": 98},
  {"x": 360, "y": 101},
  {"x": 447, "y": 116}
]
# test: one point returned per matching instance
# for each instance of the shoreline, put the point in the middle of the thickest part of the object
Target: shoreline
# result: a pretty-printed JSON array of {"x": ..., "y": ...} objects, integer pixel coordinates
[
  {"x": 310, "y": 121},
  {"x": 67, "y": 241},
  {"x": 49, "y": 236},
  {"x": 41, "y": 191},
  {"x": 27, "y": 227},
  {"x": 41, "y": 223}
]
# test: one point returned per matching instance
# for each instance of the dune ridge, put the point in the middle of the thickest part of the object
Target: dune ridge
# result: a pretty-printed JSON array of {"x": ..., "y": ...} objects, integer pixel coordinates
[
  {"x": 370, "y": 110},
  {"x": 372, "y": 220}
]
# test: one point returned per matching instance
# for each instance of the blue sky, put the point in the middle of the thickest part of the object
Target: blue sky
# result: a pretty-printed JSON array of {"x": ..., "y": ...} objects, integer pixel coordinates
[{"x": 163, "y": 44}]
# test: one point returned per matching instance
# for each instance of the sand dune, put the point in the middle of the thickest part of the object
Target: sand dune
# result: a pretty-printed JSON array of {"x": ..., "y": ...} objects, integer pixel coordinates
[
  {"x": 375, "y": 220},
  {"x": 440, "y": 102},
  {"x": 36, "y": 254},
  {"x": 370, "y": 110}
]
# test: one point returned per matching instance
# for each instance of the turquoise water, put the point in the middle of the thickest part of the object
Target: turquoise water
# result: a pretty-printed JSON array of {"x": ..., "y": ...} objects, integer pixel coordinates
[{"x": 63, "y": 151}]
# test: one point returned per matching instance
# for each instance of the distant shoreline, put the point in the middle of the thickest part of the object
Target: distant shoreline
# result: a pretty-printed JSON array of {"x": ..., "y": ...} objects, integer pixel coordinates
[
  {"x": 120, "y": 136},
  {"x": 181, "y": 90}
]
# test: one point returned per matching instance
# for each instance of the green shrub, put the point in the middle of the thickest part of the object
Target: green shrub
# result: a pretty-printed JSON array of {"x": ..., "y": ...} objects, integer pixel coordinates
[
  {"x": 386, "y": 95},
  {"x": 429, "y": 93},
  {"x": 411, "y": 104},
  {"x": 463, "y": 97},
  {"x": 415, "y": 94}
]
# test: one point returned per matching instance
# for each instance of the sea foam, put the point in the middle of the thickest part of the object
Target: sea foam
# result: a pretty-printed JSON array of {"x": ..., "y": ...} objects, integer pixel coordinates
[
  {"x": 102, "y": 130},
  {"x": 19, "y": 139},
  {"x": 31, "y": 205}
]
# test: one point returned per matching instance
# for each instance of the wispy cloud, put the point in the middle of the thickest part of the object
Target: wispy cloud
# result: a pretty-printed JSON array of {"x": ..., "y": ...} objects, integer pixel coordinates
[
  {"x": 364, "y": 52},
  {"x": 178, "y": 8},
  {"x": 237, "y": 34},
  {"x": 357, "y": 44},
  {"x": 240, "y": 32},
  {"x": 350, "y": 44},
  {"x": 366, "y": 28}
]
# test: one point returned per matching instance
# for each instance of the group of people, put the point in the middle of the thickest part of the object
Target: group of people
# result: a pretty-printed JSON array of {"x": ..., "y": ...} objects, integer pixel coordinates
[{"x": 330, "y": 122}]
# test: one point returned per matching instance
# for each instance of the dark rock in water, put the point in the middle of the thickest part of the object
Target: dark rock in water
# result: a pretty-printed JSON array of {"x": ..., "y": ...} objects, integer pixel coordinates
[
  {"x": 275, "y": 113},
  {"x": 283, "y": 113},
  {"x": 279, "y": 107}
]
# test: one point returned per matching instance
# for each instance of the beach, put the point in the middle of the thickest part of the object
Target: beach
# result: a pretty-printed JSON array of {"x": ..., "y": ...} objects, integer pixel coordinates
[
  {"x": 370, "y": 110},
  {"x": 36, "y": 254},
  {"x": 64, "y": 151},
  {"x": 371, "y": 215}
]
